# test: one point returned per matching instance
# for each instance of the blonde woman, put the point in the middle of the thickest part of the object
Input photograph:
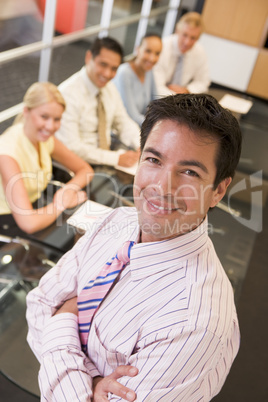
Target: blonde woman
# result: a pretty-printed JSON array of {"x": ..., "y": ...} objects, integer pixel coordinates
[
  {"x": 135, "y": 80},
  {"x": 26, "y": 152}
]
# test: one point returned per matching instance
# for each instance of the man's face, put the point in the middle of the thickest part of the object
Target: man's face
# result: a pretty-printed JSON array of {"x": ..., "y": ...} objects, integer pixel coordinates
[
  {"x": 173, "y": 187},
  {"x": 187, "y": 36},
  {"x": 103, "y": 67}
]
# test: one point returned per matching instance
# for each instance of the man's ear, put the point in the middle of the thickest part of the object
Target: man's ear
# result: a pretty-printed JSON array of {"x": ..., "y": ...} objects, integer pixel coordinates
[
  {"x": 220, "y": 191},
  {"x": 88, "y": 56}
]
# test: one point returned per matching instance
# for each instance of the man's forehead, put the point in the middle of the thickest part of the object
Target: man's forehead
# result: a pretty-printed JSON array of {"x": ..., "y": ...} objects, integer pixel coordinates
[
  {"x": 165, "y": 126},
  {"x": 108, "y": 53},
  {"x": 188, "y": 26}
]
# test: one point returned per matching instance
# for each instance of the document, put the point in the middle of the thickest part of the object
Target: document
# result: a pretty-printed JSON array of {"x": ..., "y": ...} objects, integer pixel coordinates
[
  {"x": 235, "y": 104},
  {"x": 130, "y": 170},
  {"x": 87, "y": 215}
]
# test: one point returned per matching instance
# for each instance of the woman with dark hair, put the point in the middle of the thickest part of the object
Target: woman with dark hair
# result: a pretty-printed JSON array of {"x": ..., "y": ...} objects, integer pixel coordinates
[{"x": 134, "y": 79}]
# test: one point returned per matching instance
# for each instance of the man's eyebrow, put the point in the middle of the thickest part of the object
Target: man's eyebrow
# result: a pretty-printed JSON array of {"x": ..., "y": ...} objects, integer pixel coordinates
[
  {"x": 153, "y": 151},
  {"x": 180, "y": 163},
  {"x": 194, "y": 163}
]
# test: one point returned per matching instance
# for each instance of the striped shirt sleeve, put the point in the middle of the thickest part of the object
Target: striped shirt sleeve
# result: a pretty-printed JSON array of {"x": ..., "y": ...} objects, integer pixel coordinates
[{"x": 65, "y": 370}]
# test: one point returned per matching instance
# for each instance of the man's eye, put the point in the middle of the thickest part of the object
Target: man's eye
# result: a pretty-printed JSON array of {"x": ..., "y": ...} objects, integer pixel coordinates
[
  {"x": 190, "y": 172},
  {"x": 153, "y": 160}
]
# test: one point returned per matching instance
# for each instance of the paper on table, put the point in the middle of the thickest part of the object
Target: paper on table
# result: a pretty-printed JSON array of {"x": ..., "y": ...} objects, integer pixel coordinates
[
  {"x": 235, "y": 104},
  {"x": 85, "y": 216},
  {"x": 130, "y": 170}
]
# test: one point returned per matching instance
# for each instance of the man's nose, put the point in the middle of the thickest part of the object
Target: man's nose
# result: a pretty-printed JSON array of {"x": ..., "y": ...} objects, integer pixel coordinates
[
  {"x": 167, "y": 182},
  {"x": 187, "y": 41},
  {"x": 108, "y": 73}
]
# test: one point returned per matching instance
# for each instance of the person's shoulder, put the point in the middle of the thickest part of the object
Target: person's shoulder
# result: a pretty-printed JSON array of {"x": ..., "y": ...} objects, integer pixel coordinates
[
  {"x": 198, "y": 48},
  {"x": 74, "y": 89},
  {"x": 12, "y": 133},
  {"x": 72, "y": 82},
  {"x": 169, "y": 45},
  {"x": 12, "y": 139},
  {"x": 123, "y": 67},
  {"x": 169, "y": 40},
  {"x": 110, "y": 91}
]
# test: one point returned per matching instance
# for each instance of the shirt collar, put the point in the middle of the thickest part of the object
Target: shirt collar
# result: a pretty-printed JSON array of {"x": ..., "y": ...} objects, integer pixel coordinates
[
  {"x": 150, "y": 258},
  {"x": 93, "y": 90}
]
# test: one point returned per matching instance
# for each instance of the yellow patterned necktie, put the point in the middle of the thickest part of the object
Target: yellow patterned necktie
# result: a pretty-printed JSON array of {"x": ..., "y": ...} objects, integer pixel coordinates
[{"x": 103, "y": 143}]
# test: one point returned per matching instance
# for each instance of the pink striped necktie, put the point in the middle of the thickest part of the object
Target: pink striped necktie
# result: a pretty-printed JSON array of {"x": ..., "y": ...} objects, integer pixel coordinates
[{"x": 94, "y": 292}]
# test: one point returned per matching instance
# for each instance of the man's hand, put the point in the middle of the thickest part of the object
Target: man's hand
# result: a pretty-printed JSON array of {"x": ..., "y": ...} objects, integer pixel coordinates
[
  {"x": 129, "y": 158},
  {"x": 102, "y": 386},
  {"x": 178, "y": 89},
  {"x": 69, "y": 306}
]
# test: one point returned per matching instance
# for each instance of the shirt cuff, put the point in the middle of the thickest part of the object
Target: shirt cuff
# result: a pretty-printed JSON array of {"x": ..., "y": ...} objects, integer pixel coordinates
[
  {"x": 60, "y": 332},
  {"x": 116, "y": 155}
]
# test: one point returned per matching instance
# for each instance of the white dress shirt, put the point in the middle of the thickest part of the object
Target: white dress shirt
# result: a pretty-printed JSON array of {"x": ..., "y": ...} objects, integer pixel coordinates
[
  {"x": 195, "y": 73},
  {"x": 79, "y": 124},
  {"x": 171, "y": 314}
]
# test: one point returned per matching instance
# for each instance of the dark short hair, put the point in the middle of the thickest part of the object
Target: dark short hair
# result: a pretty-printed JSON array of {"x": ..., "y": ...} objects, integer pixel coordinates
[
  {"x": 205, "y": 117},
  {"x": 107, "y": 43},
  {"x": 150, "y": 35}
]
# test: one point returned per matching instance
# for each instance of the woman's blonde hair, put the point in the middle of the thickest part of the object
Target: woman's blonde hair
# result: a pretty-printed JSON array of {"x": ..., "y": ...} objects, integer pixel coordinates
[{"x": 40, "y": 93}]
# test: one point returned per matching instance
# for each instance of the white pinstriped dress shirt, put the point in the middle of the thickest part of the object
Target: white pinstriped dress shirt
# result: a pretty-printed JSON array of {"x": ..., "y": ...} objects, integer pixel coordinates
[
  {"x": 195, "y": 74},
  {"x": 79, "y": 123},
  {"x": 171, "y": 314}
]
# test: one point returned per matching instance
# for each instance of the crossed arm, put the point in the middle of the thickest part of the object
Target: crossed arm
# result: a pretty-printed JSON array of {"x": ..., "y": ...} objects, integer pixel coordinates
[
  {"x": 102, "y": 386},
  {"x": 170, "y": 372}
]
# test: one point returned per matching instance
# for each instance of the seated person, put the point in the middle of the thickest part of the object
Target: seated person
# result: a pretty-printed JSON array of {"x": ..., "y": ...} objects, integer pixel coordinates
[
  {"x": 183, "y": 66},
  {"x": 81, "y": 129},
  {"x": 135, "y": 80},
  {"x": 26, "y": 149},
  {"x": 166, "y": 328}
]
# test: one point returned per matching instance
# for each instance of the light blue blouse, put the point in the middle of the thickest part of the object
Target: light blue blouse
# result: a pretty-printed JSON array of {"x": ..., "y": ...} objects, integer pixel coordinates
[{"x": 135, "y": 94}]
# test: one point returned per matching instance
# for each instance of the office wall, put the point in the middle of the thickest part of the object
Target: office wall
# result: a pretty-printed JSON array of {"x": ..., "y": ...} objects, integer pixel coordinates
[{"x": 235, "y": 39}]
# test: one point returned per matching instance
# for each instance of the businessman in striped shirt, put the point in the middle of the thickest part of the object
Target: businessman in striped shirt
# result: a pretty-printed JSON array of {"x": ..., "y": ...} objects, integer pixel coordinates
[{"x": 167, "y": 330}]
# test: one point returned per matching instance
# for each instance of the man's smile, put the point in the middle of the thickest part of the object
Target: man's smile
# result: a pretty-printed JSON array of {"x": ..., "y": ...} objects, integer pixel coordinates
[{"x": 161, "y": 206}]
